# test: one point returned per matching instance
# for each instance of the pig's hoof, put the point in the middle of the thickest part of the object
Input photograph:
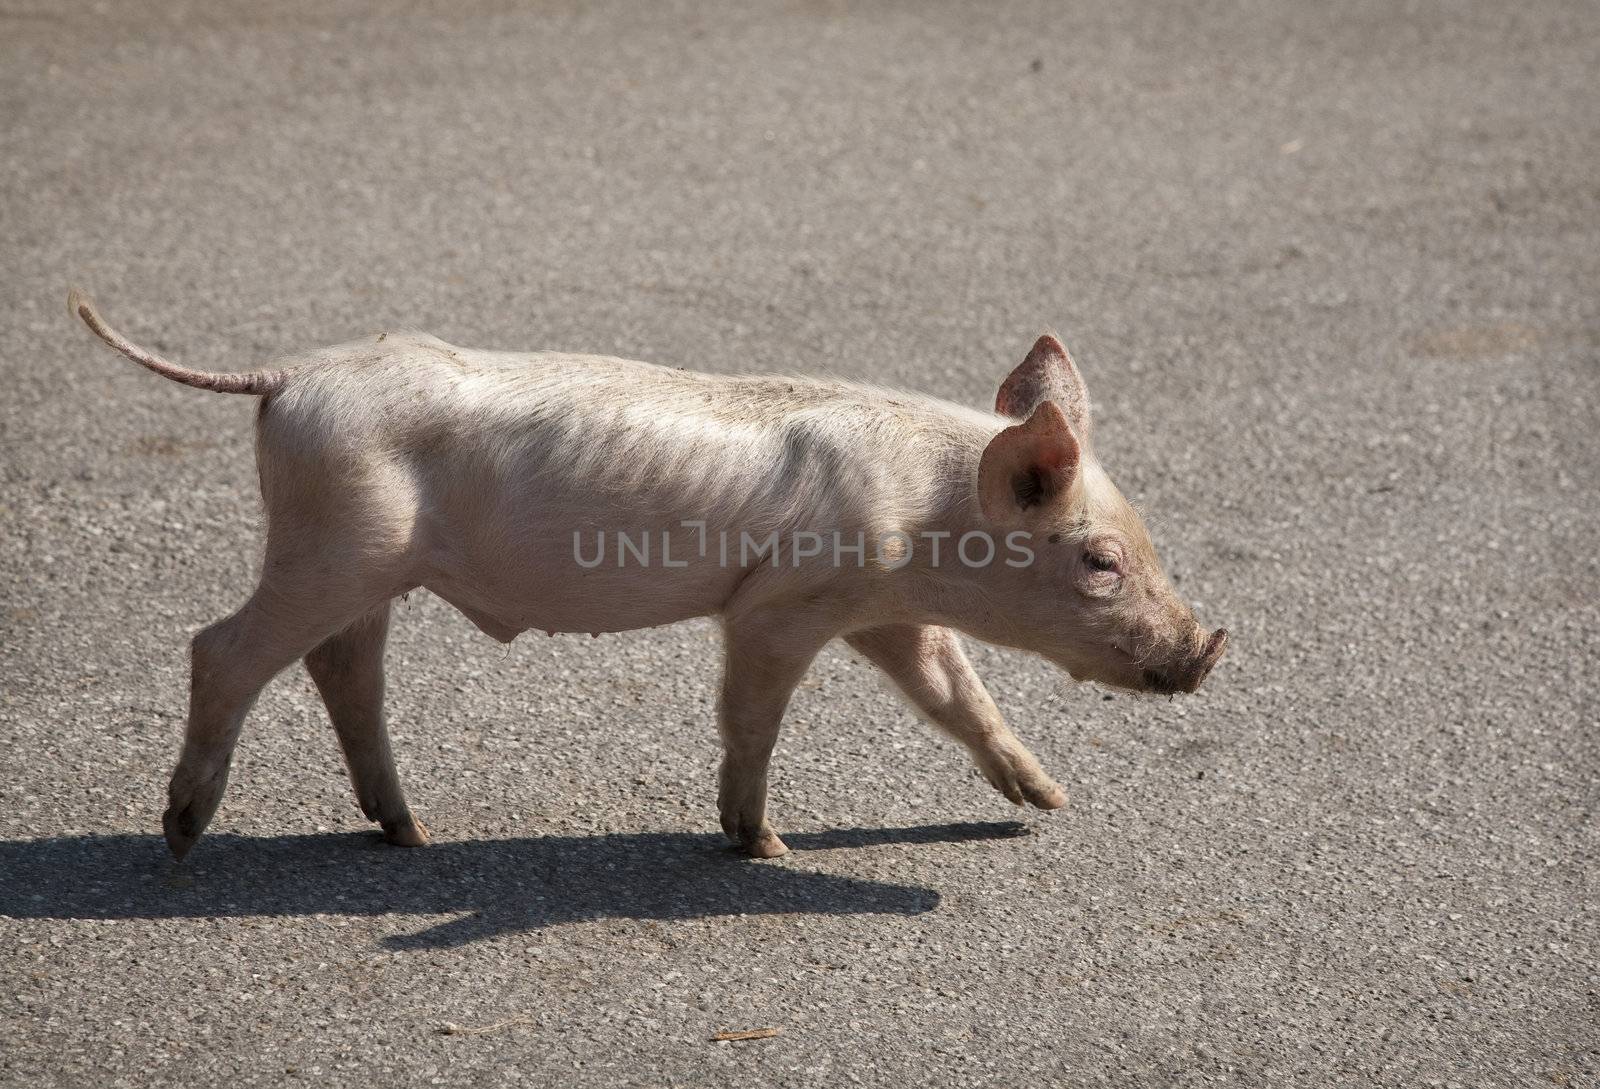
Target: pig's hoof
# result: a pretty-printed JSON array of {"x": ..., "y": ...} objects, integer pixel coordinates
[
  {"x": 1023, "y": 782},
  {"x": 181, "y": 830},
  {"x": 766, "y": 845},
  {"x": 191, "y": 803},
  {"x": 405, "y": 832},
  {"x": 1005, "y": 786},
  {"x": 1047, "y": 796},
  {"x": 758, "y": 842}
]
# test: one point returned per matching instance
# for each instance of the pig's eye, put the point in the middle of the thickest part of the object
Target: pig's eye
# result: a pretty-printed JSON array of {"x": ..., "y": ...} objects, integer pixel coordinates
[{"x": 1100, "y": 561}]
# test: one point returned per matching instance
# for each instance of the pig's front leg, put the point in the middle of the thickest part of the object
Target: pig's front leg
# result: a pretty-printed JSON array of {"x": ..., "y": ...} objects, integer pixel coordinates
[
  {"x": 767, "y": 653},
  {"x": 928, "y": 665}
]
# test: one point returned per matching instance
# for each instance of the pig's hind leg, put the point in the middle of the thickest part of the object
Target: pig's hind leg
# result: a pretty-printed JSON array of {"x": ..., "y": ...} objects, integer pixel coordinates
[
  {"x": 348, "y": 671},
  {"x": 928, "y": 665},
  {"x": 295, "y": 608}
]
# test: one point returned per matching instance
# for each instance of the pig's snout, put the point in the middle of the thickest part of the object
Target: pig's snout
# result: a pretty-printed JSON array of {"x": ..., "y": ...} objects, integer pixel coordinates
[
  {"x": 1188, "y": 676},
  {"x": 1209, "y": 655}
]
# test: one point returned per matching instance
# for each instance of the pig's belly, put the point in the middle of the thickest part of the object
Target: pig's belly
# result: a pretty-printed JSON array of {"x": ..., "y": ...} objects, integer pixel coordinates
[{"x": 548, "y": 591}]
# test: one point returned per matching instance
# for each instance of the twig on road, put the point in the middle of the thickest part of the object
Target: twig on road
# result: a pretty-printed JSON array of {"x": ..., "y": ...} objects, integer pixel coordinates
[
  {"x": 747, "y": 1034},
  {"x": 450, "y": 1028}
]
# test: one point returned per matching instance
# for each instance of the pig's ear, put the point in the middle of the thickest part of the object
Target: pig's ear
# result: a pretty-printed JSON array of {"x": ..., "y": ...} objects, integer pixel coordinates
[
  {"x": 1046, "y": 375},
  {"x": 1027, "y": 468}
]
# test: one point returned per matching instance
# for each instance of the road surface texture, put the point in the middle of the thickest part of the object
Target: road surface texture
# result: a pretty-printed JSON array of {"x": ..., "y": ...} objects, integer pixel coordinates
[{"x": 1331, "y": 273}]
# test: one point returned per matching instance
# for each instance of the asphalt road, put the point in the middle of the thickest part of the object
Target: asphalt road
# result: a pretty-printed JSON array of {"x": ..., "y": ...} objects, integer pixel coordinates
[{"x": 1331, "y": 273}]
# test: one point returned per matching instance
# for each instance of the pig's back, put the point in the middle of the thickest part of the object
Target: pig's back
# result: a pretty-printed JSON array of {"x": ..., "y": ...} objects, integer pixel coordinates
[{"x": 560, "y": 429}]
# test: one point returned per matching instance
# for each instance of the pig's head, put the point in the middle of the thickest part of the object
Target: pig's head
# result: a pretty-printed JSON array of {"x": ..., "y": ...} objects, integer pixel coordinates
[{"x": 1095, "y": 599}]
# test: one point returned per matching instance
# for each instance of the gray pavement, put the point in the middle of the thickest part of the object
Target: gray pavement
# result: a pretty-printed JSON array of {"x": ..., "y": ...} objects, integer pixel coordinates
[{"x": 1331, "y": 272}]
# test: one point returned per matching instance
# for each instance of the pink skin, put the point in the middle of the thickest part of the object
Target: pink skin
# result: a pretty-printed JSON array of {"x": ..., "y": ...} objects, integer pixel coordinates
[{"x": 399, "y": 462}]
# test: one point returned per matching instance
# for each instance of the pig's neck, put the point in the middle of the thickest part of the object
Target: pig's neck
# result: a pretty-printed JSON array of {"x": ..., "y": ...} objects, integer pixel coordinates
[{"x": 948, "y": 590}]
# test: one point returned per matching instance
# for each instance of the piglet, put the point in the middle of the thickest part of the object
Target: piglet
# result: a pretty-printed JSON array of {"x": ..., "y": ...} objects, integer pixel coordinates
[{"x": 578, "y": 493}]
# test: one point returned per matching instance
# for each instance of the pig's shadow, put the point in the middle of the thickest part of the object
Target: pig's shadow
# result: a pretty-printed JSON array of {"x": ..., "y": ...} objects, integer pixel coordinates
[{"x": 492, "y": 887}]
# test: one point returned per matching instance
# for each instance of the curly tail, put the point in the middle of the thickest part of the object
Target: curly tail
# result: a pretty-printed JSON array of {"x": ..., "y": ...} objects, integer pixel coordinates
[{"x": 259, "y": 384}]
